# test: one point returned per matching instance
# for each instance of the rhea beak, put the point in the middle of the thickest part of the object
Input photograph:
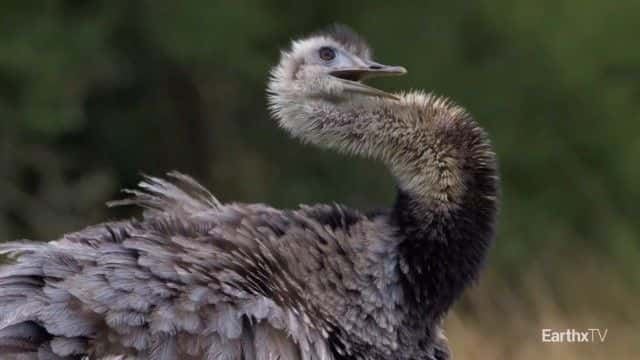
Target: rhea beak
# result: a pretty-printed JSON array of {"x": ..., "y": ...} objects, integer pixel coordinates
[{"x": 352, "y": 76}]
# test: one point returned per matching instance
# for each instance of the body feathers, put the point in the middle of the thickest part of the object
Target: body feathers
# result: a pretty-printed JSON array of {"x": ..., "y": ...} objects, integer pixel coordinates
[{"x": 198, "y": 279}]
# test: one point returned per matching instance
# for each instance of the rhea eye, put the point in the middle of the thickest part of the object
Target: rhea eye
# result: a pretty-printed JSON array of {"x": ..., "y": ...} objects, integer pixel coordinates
[{"x": 326, "y": 53}]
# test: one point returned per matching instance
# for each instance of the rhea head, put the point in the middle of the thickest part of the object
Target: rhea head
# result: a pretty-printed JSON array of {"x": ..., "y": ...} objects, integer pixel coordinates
[{"x": 324, "y": 69}]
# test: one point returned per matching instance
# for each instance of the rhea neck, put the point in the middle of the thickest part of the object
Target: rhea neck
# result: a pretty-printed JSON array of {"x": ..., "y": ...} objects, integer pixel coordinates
[{"x": 446, "y": 176}]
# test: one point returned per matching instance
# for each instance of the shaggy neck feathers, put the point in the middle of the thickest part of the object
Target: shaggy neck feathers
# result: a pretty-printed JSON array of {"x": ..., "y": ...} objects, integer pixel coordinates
[
  {"x": 446, "y": 172},
  {"x": 427, "y": 142}
]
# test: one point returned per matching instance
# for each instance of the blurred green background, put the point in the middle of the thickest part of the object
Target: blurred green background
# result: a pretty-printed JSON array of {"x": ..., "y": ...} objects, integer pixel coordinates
[{"x": 92, "y": 93}]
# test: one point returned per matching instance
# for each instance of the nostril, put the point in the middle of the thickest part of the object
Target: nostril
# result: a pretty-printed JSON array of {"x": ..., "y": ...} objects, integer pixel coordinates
[{"x": 375, "y": 67}]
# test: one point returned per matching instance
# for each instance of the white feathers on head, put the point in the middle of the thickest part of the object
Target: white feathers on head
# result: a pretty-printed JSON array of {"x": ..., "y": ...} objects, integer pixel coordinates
[{"x": 289, "y": 86}]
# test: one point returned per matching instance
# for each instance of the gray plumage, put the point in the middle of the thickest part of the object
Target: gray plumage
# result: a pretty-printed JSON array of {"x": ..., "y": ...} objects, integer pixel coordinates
[{"x": 198, "y": 279}]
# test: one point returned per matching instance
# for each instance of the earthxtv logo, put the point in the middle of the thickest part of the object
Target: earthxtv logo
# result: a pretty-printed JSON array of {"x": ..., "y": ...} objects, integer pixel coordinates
[{"x": 592, "y": 335}]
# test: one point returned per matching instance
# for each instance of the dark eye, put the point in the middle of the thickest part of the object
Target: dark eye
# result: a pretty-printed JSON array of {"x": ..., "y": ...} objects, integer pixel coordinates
[{"x": 327, "y": 53}]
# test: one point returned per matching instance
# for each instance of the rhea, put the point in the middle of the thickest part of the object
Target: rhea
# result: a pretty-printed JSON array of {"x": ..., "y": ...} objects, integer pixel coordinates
[{"x": 198, "y": 279}]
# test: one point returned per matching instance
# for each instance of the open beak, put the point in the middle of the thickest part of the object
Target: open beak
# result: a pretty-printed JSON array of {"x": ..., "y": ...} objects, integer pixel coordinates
[{"x": 352, "y": 76}]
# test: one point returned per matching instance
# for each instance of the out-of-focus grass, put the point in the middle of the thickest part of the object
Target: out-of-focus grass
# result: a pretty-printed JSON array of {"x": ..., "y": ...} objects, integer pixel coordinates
[{"x": 497, "y": 320}]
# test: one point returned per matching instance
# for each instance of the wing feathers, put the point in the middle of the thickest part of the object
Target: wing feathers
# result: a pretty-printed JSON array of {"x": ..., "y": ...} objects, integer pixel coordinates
[
  {"x": 159, "y": 195},
  {"x": 193, "y": 277}
]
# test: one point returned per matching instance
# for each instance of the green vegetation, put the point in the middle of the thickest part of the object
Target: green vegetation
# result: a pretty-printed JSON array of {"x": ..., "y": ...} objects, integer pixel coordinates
[{"x": 94, "y": 92}]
